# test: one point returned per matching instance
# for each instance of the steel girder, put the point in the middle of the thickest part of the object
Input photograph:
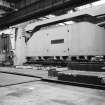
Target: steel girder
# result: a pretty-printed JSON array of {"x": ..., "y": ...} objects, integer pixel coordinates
[{"x": 38, "y": 9}]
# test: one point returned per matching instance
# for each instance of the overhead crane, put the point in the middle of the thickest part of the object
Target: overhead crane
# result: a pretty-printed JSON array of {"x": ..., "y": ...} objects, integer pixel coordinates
[{"x": 39, "y": 9}]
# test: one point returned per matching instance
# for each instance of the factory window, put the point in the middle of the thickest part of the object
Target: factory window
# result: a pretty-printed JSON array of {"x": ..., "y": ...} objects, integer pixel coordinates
[{"x": 57, "y": 41}]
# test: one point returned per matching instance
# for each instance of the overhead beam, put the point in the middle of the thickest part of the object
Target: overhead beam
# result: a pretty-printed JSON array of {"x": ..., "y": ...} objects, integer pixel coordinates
[{"x": 38, "y": 9}]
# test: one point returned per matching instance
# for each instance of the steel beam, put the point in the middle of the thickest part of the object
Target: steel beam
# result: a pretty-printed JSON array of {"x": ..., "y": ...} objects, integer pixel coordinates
[{"x": 38, "y": 9}]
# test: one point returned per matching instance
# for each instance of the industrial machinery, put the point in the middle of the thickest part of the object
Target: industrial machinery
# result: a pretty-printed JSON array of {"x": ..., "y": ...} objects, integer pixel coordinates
[
  {"x": 76, "y": 42},
  {"x": 56, "y": 42},
  {"x": 6, "y": 47}
]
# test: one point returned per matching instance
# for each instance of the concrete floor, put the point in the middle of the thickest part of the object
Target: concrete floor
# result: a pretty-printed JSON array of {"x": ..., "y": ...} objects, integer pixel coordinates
[
  {"x": 30, "y": 72},
  {"x": 9, "y": 79},
  {"x": 43, "y": 93}
]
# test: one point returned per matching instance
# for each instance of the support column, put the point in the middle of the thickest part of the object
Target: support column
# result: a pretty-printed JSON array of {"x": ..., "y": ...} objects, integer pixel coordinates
[{"x": 20, "y": 50}]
